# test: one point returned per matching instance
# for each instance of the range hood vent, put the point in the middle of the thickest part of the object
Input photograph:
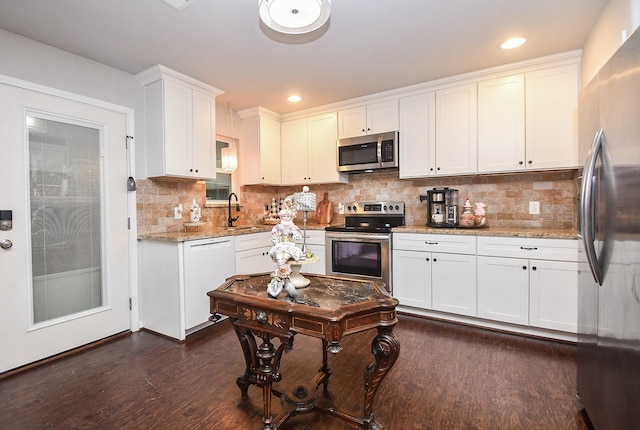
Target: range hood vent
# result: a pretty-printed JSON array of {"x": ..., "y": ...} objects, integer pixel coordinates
[{"x": 179, "y": 4}]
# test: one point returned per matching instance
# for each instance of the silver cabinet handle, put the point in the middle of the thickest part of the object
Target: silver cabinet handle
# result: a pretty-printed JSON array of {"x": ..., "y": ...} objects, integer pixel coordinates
[{"x": 6, "y": 244}]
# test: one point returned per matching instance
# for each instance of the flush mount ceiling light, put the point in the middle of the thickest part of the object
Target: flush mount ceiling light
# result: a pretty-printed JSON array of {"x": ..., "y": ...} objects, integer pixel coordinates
[
  {"x": 514, "y": 42},
  {"x": 178, "y": 4},
  {"x": 294, "y": 16},
  {"x": 294, "y": 98}
]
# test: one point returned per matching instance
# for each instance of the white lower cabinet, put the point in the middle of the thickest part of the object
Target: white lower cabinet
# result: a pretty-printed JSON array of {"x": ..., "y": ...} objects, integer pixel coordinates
[
  {"x": 503, "y": 289},
  {"x": 529, "y": 281},
  {"x": 531, "y": 284},
  {"x": 553, "y": 295},
  {"x": 443, "y": 281},
  {"x": 175, "y": 278},
  {"x": 315, "y": 243},
  {"x": 252, "y": 253}
]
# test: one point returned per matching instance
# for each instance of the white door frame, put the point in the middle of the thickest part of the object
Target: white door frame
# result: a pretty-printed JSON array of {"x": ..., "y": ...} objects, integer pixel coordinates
[{"x": 134, "y": 314}]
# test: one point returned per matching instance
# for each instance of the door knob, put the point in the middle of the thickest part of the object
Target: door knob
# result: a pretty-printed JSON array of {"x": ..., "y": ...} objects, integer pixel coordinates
[{"x": 6, "y": 244}]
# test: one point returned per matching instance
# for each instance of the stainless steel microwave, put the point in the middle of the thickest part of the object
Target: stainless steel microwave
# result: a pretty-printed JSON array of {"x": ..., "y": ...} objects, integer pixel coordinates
[{"x": 363, "y": 153}]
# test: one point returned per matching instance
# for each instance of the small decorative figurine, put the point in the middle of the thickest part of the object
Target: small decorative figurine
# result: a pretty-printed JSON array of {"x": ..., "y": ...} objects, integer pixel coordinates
[
  {"x": 467, "y": 219},
  {"x": 481, "y": 217},
  {"x": 284, "y": 236}
]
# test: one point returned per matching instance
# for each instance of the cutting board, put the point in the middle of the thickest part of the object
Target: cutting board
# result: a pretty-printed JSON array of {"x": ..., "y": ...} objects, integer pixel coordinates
[{"x": 324, "y": 210}]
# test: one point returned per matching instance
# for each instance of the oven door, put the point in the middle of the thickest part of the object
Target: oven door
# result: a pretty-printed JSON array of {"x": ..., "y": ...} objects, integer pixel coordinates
[{"x": 359, "y": 255}]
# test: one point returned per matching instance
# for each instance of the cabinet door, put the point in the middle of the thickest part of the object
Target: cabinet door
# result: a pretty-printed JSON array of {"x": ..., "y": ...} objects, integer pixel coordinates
[
  {"x": 269, "y": 151},
  {"x": 501, "y": 124},
  {"x": 412, "y": 278},
  {"x": 552, "y": 117},
  {"x": 453, "y": 281},
  {"x": 293, "y": 147},
  {"x": 382, "y": 117},
  {"x": 318, "y": 268},
  {"x": 316, "y": 244},
  {"x": 352, "y": 122},
  {"x": 204, "y": 139},
  {"x": 177, "y": 128},
  {"x": 254, "y": 261},
  {"x": 456, "y": 130},
  {"x": 554, "y": 295},
  {"x": 503, "y": 289},
  {"x": 417, "y": 127},
  {"x": 323, "y": 154}
]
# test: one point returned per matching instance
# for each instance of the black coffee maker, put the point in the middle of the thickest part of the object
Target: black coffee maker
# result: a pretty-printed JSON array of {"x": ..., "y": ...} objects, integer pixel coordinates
[{"x": 442, "y": 207}]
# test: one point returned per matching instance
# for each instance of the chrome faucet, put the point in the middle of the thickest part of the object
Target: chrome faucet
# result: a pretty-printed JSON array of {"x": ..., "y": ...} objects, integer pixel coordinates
[{"x": 231, "y": 220}]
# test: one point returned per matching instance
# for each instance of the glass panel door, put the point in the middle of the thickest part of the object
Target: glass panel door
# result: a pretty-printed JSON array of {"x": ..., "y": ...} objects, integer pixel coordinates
[{"x": 65, "y": 177}]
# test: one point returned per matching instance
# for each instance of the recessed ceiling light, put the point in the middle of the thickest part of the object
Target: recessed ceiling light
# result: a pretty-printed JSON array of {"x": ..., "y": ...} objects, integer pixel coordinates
[
  {"x": 514, "y": 42},
  {"x": 294, "y": 99}
]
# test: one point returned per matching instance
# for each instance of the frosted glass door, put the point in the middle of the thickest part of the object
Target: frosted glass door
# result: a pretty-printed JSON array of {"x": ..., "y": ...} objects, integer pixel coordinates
[{"x": 66, "y": 214}]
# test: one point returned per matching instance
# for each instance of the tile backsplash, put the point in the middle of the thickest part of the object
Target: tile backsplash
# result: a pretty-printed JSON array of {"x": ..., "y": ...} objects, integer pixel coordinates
[{"x": 507, "y": 197}]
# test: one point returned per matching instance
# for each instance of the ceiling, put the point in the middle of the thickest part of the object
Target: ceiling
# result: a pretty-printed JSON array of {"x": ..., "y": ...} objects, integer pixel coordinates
[{"x": 367, "y": 47}]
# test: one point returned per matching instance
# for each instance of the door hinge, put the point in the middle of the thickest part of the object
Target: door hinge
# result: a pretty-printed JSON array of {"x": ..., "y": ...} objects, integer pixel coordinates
[
  {"x": 130, "y": 304},
  {"x": 129, "y": 223},
  {"x": 129, "y": 139}
]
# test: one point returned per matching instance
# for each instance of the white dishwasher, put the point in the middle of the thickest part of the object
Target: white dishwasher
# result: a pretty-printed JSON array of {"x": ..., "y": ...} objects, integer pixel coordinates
[{"x": 207, "y": 264}]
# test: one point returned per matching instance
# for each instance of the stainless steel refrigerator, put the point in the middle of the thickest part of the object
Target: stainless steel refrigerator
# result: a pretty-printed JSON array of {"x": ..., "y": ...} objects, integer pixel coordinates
[{"x": 609, "y": 224}]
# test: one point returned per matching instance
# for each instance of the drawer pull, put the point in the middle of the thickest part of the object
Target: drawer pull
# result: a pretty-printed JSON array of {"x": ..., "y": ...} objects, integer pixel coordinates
[
  {"x": 529, "y": 248},
  {"x": 431, "y": 243}
]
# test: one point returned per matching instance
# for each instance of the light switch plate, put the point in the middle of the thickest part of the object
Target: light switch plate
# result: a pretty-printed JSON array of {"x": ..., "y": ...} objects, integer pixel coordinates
[
  {"x": 341, "y": 208},
  {"x": 534, "y": 208}
]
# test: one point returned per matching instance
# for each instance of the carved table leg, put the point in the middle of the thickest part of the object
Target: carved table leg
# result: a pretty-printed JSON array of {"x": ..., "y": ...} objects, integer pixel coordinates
[
  {"x": 249, "y": 348},
  {"x": 385, "y": 349},
  {"x": 325, "y": 371}
]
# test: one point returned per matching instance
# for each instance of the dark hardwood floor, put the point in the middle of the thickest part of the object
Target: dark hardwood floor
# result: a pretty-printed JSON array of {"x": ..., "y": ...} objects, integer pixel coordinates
[{"x": 447, "y": 377}]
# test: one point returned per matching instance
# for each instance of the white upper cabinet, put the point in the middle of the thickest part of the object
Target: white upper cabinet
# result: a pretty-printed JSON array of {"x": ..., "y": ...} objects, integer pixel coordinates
[
  {"x": 259, "y": 149},
  {"x": 551, "y": 97},
  {"x": 528, "y": 121},
  {"x": 180, "y": 124},
  {"x": 501, "y": 124},
  {"x": 370, "y": 119},
  {"x": 417, "y": 128},
  {"x": 456, "y": 130},
  {"x": 322, "y": 145},
  {"x": 295, "y": 152},
  {"x": 308, "y": 147}
]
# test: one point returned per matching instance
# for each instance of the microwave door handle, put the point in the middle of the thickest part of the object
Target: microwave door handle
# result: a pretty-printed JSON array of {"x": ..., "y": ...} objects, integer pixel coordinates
[
  {"x": 379, "y": 152},
  {"x": 587, "y": 207}
]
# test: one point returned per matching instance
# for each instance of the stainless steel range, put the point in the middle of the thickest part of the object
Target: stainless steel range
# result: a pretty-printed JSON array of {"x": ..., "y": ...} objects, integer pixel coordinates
[{"x": 362, "y": 247}]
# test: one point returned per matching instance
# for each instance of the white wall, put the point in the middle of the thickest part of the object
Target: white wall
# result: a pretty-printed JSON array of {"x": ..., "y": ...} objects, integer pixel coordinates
[
  {"x": 32, "y": 61},
  {"x": 606, "y": 36}
]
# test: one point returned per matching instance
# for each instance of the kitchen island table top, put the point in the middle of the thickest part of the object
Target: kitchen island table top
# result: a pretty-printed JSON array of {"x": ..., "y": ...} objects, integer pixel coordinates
[{"x": 329, "y": 309}]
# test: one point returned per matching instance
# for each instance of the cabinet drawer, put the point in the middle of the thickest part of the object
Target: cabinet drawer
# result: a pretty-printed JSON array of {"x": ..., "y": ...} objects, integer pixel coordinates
[
  {"x": 533, "y": 248},
  {"x": 252, "y": 241},
  {"x": 315, "y": 237},
  {"x": 458, "y": 244}
]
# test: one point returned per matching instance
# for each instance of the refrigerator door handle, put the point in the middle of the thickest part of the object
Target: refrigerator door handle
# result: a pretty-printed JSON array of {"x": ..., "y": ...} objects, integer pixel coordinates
[{"x": 587, "y": 207}]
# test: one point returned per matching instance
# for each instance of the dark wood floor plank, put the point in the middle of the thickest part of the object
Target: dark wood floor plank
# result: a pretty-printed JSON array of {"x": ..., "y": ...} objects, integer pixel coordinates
[{"x": 447, "y": 377}]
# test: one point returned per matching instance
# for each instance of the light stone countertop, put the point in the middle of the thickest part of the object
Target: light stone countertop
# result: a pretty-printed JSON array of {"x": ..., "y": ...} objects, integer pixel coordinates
[
  {"x": 542, "y": 233},
  {"x": 209, "y": 232}
]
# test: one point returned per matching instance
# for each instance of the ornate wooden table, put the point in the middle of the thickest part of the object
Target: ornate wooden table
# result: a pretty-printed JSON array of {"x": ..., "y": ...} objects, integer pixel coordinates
[{"x": 329, "y": 309}]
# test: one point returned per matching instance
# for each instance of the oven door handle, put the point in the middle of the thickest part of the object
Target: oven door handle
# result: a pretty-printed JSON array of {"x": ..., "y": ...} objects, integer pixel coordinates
[{"x": 356, "y": 236}]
